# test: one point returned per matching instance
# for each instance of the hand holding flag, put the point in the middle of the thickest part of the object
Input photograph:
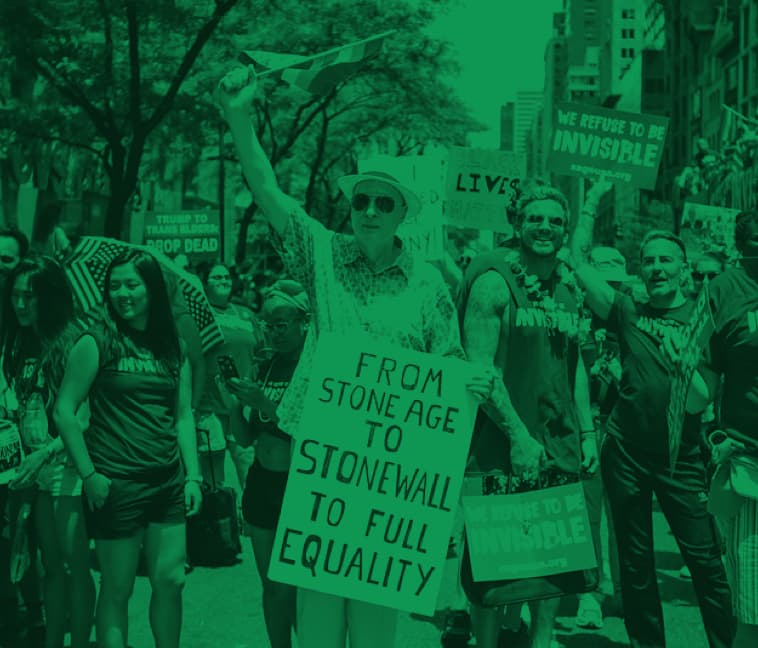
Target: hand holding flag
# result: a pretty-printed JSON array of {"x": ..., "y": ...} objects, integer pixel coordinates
[
  {"x": 236, "y": 90},
  {"x": 320, "y": 73}
]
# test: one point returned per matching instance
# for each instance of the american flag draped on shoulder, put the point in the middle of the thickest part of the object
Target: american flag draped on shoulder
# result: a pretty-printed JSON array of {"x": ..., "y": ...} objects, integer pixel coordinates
[
  {"x": 319, "y": 73},
  {"x": 86, "y": 266}
]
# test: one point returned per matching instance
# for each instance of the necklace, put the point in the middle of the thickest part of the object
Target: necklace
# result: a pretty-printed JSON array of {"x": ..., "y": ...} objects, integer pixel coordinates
[
  {"x": 262, "y": 417},
  {"x": 557, "y": 316}
]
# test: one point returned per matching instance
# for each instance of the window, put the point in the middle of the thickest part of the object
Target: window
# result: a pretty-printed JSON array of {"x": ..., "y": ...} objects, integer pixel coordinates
[
  {"x": 631, "y": 52},
  {"x": 731, "y": 77},
  {"x": 624, "y": 52},
  {"x": 627, "y": 14},
  {"x": 631, "y": 33},
  {"x": 696, "y": 104}
]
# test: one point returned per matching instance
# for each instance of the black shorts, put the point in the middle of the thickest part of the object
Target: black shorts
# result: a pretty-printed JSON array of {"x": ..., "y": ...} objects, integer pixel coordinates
[
  {"x": 132, "y": 505},
  {"x": 263, "y": 496}
]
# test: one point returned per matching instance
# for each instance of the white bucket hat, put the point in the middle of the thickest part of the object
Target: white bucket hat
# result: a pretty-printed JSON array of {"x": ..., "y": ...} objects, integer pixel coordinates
[{"x": 347, "y": 185}]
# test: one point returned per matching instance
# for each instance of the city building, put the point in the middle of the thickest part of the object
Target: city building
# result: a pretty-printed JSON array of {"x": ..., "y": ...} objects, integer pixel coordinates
[
  {"x": 711, "y": 59},
  {"x": 507, "y": 126},
  {"x": 527, "y": 105}
]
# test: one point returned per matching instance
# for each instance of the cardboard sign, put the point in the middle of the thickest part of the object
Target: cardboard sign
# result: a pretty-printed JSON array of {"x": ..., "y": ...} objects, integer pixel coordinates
[
  {"x": 424, "y": 174},
  {"x": 11, "y": 451},
  {"x": 195, "y": 234},
  {"x": 480, "y": 185},
  {"x": 612, "y": 145},
  {"x": 526, "y": 535},
  {"x": 710, "y": 227},
  {"x": 694, "y": 339},
  {"x": 374, "y": 482}
]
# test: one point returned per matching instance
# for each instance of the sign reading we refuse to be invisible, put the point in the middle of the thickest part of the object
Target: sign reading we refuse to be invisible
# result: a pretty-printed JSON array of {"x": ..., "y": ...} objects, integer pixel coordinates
[
  {"x": 195, "y": 234},
  {"x": 607, "y": 144}
]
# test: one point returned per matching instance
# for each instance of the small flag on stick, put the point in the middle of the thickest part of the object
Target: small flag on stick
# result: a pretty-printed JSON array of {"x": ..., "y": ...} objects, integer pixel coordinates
[
  {"x": 731, "y": 122},
  {"x": 319, "y": 73}
]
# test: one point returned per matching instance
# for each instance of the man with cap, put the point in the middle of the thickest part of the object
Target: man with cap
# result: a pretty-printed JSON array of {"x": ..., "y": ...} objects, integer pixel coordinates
[
  {"x": 378, "y": 287},
  {"x": 635, "y": 457}
]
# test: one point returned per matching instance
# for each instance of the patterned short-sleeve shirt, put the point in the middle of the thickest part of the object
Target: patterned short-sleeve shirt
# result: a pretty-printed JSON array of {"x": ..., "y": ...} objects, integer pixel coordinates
[{"x": 407, "y": 304}]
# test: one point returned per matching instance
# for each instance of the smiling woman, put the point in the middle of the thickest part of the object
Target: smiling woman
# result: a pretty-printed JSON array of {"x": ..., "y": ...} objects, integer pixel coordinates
[{"x": 138, "y": 463}]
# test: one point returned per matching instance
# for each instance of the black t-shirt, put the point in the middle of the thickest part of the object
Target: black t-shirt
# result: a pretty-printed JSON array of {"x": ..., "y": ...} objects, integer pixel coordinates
[
  {"x": 734, "y": 349},
  {"x": 639, "y": 417},
  {"x": 275, "y": 375},
  {"x": 133, "y": 402}
]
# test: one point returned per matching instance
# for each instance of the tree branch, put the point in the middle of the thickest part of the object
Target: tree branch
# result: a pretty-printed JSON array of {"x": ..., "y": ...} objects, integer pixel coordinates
[
  {"x": 135, "y": 116},
  {"x": 41, "y": 136},
  {"x": 296, "y": 132},
  {"x": 107, "y": 64},
  {"x": 319, "y": 158},
  {"x": 69, "y": 90},
  {"x": 222, "y": 8}
]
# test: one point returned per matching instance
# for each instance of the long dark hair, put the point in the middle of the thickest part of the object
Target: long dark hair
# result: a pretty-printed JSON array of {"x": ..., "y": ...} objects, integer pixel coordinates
[
  {"x": 160, "y": 337},
  {"x": 741, "y": 225},
  {"x": 55, "y": 331}
]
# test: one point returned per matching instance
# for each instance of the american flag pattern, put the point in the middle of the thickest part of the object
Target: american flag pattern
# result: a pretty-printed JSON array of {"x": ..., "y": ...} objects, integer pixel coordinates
[
  {"x": 86, "y": 268},
  {"x": 317, "y": 74}
]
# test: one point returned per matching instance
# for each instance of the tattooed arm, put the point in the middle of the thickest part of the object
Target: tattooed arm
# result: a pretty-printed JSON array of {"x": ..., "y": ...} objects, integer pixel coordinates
[{"x": 485, "y": 327}]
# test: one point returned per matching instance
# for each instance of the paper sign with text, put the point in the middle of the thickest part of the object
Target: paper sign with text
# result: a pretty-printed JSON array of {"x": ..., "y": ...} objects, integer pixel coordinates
[
  {"x": 531, "y": 534},
  {"x": 376, "y": 473},
  {"x": 598, "y": 143},
  {"x": 694, "y": 338},
  {"x": 424, "y": 175},
  {"x": 480, "y": 185},
  {"x": 195, "y": 234},
  {"x": 11, "y": 451}
]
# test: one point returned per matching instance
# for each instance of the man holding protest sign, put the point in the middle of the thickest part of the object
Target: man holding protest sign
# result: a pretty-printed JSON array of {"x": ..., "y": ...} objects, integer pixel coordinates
[
  {"x": 521, "y": 316},
  {"x": 635, "y": 457},
  {"x": 367, "y": 282}
]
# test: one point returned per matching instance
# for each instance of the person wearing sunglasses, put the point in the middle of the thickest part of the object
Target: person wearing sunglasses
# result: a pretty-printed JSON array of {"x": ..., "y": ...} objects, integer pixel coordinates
[
  {"x": 733, "y": 358},
  {"x": 709, "y": 266},
  {"x": 385, "y": 292},
  {"x": 635, "y": 458}
]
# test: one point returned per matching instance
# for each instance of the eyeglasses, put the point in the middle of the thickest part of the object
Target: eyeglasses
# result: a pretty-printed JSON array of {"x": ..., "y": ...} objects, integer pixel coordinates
[
  {"x": 220, "y": 278},
  {"x": 555, "y": 222},
  {"x": 279, "y": 327},
  {"x": 701, "y": 276},
  {"x": 384, "y": 204},
  {"x": 7, "y": 260}
]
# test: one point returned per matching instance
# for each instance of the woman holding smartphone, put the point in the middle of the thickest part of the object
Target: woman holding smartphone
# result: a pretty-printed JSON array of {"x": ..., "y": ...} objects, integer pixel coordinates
[
  {"x": 138, "y": 463},
  {"x": 285, "y": 315}
]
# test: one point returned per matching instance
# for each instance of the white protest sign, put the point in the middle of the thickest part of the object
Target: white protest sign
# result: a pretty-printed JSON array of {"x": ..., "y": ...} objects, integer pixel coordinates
[
  {"x": 424, "y": 175},
  {"x": 11, "y": 451},
  {"x": 479, "y": 187},
  {"x": 376, "y": 474}
]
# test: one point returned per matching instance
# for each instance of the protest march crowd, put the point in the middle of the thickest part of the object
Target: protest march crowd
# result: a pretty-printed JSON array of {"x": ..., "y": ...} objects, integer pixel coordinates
[{"x": 566, "y": 390}]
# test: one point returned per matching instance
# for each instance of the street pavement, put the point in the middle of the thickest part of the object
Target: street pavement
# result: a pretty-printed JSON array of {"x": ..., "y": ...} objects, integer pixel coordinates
[{"x": 222, "y": 609}]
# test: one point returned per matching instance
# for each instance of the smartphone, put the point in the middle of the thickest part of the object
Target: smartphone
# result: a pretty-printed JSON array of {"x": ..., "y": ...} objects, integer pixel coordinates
[{"x": 227, "y": 367}]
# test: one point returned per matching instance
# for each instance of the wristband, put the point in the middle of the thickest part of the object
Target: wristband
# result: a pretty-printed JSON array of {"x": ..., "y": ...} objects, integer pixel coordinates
[
  {"x": 84, "y": 479},
  {"x": 196, "y": 480},
  {"x": 588, "y": 433}
]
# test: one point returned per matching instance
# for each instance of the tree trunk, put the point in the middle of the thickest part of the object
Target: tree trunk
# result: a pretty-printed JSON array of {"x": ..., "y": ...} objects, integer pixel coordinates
[{"x": 241, "y": 249}]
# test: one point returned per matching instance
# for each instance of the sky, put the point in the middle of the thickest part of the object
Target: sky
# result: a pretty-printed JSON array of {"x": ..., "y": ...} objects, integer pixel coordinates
[{"x": 501, "y": 47}]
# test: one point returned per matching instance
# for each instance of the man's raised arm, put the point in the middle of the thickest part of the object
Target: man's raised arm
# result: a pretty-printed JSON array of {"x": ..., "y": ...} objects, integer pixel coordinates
[
  {"x": 235, "y": 96},
  {"x": 599, "y": 295}
]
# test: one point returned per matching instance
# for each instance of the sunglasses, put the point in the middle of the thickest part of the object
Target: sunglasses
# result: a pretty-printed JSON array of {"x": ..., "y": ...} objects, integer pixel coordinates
[
  {"x": 384, "y": 204},
  {"x": 7, "y": 259},
  {"x": 701, "y": 276}
]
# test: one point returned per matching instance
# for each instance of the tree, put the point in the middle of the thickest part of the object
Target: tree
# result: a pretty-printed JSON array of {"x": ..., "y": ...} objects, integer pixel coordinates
[
  {"x": 397, "y": 101},
  {"x": 111, "y": 73}
]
